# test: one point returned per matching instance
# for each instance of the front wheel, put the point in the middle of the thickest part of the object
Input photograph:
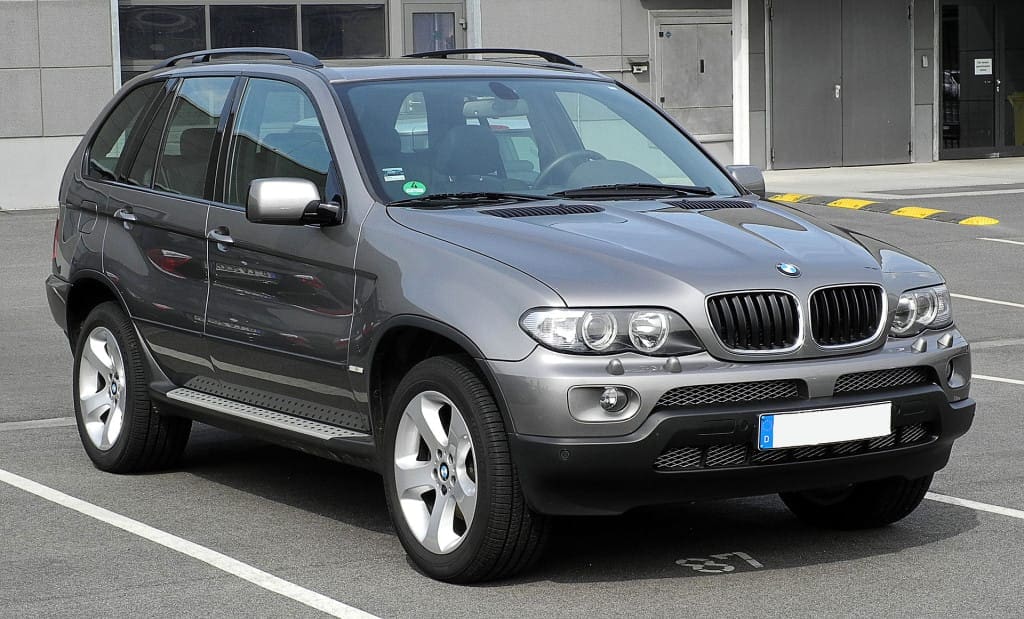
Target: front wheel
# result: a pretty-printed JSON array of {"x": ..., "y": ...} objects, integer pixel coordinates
[
  {"x": 451, "y": 487},
  {"x": 859, "y": 506}
]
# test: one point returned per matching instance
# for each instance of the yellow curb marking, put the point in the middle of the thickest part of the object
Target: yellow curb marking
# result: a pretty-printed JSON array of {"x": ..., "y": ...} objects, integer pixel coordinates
[
  {"x": 791, "y": 197},
  {"x": 978, "y": 221},
  {"x": 851, "y": 203},
  {"x": 917, "y": 212}
]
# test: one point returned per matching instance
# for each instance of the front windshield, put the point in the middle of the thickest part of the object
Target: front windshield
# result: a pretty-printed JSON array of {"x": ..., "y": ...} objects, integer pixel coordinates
[{"x": 534, "y": 136}]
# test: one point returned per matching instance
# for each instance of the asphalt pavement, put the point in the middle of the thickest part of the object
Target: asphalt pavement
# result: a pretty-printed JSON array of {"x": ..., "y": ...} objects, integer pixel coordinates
[{"x": 322, "y": 528}]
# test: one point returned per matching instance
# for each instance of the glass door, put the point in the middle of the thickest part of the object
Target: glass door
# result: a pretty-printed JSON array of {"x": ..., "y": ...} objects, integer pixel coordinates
[{"x": 982, "y": 55}]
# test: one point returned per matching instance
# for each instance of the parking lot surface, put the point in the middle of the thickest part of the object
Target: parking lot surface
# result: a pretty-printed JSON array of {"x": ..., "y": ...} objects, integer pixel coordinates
[{"x": 322, "y": 528}]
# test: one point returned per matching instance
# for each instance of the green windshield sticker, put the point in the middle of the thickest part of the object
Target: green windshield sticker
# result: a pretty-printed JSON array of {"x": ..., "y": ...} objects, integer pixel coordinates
[{"x": 414, "y": 188}]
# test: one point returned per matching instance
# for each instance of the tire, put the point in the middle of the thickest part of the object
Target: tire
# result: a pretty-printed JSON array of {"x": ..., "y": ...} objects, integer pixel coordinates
[
  {"x": 503, "y": 536},
  {"x": 120, "y": 428},
  {"x": 859, "y": 506}
]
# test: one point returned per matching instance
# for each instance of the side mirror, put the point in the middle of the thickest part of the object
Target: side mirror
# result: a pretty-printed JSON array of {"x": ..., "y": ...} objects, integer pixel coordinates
[
  {"x": 289, "y": 202},
  {"x": 750, "y": 177}
]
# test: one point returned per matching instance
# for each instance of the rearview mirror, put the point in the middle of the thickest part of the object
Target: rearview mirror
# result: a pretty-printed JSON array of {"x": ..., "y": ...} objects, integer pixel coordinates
[
  {"x": 289, "y": 202},
  {"x": 750, "y": 177}
]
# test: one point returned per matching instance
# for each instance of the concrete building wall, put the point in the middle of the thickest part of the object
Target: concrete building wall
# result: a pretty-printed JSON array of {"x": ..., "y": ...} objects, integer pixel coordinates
[{"x": 56, "y": 73}]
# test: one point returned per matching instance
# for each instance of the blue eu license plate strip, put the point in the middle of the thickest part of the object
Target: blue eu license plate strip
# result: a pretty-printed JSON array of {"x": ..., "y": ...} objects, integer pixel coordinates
[{"x": 767, "y": 433}]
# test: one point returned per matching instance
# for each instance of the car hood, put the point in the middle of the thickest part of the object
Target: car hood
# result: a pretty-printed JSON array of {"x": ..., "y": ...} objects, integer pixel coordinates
[{"x": 653, "y": 253}]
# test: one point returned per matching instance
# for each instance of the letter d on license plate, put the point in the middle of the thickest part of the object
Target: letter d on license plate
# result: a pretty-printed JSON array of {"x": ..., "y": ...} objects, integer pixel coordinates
[{"x": 819, "y": 427}]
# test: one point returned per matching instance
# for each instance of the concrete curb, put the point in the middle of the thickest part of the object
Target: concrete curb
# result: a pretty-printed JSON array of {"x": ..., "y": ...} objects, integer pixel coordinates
[{"x": 887, "y": 207}]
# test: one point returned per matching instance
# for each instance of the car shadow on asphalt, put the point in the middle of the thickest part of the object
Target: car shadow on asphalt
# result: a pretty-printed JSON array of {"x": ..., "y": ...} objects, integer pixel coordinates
[{"x": 688, "y": 540}]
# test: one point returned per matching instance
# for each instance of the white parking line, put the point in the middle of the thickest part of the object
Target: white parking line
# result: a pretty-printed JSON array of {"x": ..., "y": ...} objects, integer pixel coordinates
[
  {"x": 996, "y": 379},
  {"x": 212, "y": 557},
  {"x": 984, "y": 300},
  {"x": 982, "y": 507},
  {"x": 32, "y": 424},
  {"x": 1008, "y": 241}
]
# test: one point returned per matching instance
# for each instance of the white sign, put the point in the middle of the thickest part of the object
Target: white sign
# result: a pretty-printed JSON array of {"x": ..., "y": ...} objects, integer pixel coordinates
[{"x": 983, "y": 66}]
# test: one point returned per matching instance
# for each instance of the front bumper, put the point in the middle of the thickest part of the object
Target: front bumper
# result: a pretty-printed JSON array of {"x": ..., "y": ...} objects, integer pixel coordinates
[{"x": 593, "y": 476}]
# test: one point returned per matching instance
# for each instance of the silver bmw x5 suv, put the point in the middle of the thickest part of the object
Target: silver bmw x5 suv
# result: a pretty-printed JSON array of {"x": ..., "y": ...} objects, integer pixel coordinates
[{"x": 516, "y": 289}]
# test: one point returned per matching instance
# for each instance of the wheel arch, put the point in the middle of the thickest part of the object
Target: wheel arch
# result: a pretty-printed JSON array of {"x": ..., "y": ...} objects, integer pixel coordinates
[
  {"x": 88, "y": 289},
  {"x": 406, "y": 340}
]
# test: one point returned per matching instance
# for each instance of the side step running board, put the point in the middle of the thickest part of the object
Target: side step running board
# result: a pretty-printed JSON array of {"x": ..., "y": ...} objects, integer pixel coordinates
[{"x": 282, "y": 421}]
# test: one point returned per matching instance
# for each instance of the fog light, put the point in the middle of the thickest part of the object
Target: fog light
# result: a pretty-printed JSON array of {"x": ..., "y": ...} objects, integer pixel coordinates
[{"x": 614, "y": 400}]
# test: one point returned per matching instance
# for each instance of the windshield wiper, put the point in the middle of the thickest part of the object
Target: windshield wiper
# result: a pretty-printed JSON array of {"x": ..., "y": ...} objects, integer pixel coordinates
[
  {"x": 466, "y": 198},
  {"x": 621, "y": 190}
]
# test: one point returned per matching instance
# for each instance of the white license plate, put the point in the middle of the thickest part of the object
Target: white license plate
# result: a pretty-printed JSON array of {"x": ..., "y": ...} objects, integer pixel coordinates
[{"x": 833, "y": 425}]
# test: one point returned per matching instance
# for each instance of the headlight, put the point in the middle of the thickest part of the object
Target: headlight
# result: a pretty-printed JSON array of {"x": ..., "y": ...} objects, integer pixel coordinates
[
  {"x": 924, "y": 308},
  {"x": 649, "y": 331}
]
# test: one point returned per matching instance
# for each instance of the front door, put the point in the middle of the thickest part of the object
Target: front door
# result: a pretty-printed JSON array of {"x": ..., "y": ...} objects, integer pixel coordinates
[
  {"x": 280, "y": 306},
  {"x": 982, "y": 84},
  {"x": 851, "y": 104},
  {"x": 434, "y": 27}
]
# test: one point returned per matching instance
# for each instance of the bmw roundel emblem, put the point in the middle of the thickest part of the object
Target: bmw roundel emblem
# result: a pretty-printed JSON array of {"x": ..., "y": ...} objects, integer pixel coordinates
[{"x": 788, "y": 269}]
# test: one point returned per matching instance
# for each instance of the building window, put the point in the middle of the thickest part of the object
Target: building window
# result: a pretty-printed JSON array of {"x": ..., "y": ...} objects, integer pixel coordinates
[
  {"x": 344, "y": 30},
  {"x": 433, "y": 32},
  {"x": 262, "y": 25},
  {"x": 153, "y": 30}
]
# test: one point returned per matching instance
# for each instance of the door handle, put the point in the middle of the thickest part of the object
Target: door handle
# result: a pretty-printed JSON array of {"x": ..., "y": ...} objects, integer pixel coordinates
[
  {"x": 125, "y": 215},
  {"x": 839, "y": 90},
  {"x": 220, "y": 236}
]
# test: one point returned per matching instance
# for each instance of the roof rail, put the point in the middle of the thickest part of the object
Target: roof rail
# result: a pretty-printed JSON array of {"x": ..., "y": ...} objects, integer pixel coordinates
[
  {"x": 549, "y": 56},
  {"x": 295, "y": 56}
]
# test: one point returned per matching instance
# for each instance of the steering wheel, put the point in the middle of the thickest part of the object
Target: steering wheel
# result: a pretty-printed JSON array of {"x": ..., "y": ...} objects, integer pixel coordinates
[{"x": 548, "y": 171}]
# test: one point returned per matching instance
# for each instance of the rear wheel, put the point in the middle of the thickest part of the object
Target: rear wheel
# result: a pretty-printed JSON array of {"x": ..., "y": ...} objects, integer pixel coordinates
[
  {"x": 118, "y": 425},
  {"x": 859, "y": 506},
  {"x": 452, "y": 489}
]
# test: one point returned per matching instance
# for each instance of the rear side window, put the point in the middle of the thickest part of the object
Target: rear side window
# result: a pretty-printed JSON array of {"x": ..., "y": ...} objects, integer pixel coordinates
[
  {"x": 191, "y": 130},
  {"x": 109, "y": 143},
  {"x": 277, "y": 134},
  {"x": 141, "y": 172}
]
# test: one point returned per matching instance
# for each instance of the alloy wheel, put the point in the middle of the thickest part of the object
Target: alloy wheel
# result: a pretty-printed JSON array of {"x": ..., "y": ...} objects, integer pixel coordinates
[
  {"x": 101, "y": 388},
  {"x": 435, "y": 472}
]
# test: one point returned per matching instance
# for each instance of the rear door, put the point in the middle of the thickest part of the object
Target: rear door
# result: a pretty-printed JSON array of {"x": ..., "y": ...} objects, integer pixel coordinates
[
  {"x": 86, "y": 213},
  {"x": 155, "y": 249},
  {"x": 280, "y": 305}
]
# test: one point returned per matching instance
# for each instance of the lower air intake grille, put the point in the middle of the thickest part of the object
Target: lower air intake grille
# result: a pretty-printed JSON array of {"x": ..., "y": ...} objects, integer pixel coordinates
[
  {"x": 883, "y": 379},
  {"x": 755, "y": 321},
  {"x": 743, "y": 454},
  {"x": 730, "y": 393}
]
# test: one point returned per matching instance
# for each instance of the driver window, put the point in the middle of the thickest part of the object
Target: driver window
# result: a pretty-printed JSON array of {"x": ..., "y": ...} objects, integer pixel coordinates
[
  {"x": 602, "y": 130},
  {"x": 277, "y": 134}
]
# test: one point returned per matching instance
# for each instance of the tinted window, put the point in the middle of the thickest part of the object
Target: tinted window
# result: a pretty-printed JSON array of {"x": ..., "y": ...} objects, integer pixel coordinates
[
  {"x": 112, "y": 137},
  {"x": 141, "y": 173},
  {"x": 277, "y": 134},
  {"x": 190, "y": 135},
  {"x": 344, "y": 30},
  {"x": 253, "y": 24},
  {"x": 152, "y": 32}
]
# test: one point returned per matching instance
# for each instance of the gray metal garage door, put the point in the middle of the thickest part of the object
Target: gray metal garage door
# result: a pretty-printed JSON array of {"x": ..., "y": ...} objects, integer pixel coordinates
[{"x": 841, "y": 82}]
